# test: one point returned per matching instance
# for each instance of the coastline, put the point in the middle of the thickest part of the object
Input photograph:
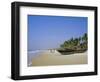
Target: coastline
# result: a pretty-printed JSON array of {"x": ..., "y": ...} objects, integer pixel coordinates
[{"x": 47, "y": 58}]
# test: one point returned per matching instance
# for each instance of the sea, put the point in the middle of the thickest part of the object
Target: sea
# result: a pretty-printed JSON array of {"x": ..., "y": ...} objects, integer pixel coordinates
[{"x": 33, "y": 54}]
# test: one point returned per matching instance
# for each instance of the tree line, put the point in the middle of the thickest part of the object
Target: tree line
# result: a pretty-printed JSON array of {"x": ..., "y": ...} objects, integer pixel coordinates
[{"x": 79, "y": 43}]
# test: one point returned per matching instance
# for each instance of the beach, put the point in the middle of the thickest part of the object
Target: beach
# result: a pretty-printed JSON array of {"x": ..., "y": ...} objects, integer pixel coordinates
[{"x": 47, "y": 58}]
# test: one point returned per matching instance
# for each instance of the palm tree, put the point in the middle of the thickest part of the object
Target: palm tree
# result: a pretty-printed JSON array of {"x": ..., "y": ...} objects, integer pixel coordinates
[
  {"x": 76, "y": 43},
  {"x": 84, "y": 38},
  {"x": 84, "y": 41}
]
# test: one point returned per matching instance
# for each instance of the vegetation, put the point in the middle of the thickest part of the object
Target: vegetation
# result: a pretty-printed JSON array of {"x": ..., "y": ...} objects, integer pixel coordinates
[{"x": 75, "y": 44}]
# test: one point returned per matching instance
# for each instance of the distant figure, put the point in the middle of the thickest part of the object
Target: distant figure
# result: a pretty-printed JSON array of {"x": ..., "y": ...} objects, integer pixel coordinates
[{"x": 52, "y": 50}]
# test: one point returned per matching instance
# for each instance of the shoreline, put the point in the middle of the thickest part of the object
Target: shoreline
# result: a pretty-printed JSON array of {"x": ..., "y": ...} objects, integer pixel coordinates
[{"x": 47, "y": 58}]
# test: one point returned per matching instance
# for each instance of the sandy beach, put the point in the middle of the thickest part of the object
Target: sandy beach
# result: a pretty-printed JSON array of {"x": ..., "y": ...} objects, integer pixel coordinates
[{"x": 47, "y": 58}]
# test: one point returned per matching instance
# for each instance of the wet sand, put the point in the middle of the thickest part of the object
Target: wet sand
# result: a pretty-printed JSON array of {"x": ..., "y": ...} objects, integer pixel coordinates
[{"x": 48, "y": 58}]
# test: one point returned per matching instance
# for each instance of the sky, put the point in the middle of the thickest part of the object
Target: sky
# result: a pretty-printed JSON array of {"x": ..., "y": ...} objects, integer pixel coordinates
[{"x": 47, "y": 32}]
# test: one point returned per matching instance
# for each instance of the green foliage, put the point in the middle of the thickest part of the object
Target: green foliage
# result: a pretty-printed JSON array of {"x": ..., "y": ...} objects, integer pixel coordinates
[{"x": 79, "y": 43}]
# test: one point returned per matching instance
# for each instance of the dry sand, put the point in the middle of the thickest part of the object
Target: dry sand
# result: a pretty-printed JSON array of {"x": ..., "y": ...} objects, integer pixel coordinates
[{"x": 55, "y": 58}]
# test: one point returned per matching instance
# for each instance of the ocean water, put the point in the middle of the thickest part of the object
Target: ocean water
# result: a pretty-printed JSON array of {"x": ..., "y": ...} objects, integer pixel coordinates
[{"x": 33, "y": 54}]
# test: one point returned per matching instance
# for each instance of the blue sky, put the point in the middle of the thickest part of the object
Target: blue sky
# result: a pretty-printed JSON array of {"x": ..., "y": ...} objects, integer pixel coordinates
[{"x": 45, "y": 32}]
